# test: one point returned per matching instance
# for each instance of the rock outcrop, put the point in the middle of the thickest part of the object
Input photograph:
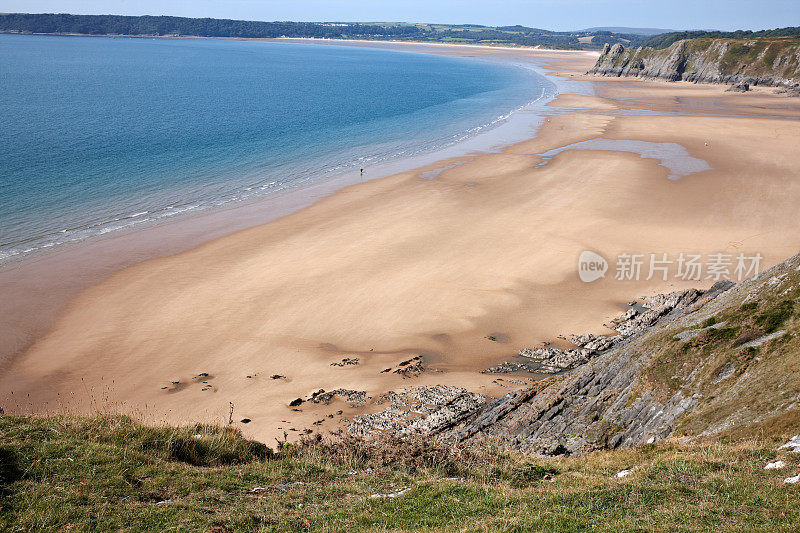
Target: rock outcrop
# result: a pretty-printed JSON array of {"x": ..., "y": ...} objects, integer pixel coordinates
[
  {"x": 772, "y": 62},
  {"x": 589, "y": 407},
  {"x": 691, "y": 363},
  {"x": 680, "y": 363},
  {"x": 629, "y": 325},
  {"x": 418, "y": 410},
  {"x": 553, "y": 360}
]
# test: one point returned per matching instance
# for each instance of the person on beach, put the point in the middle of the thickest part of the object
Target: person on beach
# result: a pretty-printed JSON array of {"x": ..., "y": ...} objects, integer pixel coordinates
[{"x": 362, "y": 172}]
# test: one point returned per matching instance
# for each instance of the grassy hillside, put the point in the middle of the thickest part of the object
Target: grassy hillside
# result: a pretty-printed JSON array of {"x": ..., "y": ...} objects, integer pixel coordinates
[
  {"x": 105, "y": 472},
  {"x": 739, "y": 356}
]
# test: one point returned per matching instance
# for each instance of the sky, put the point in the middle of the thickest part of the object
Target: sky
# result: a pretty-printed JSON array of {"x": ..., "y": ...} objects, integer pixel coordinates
[{"x": 547, "y": 14}]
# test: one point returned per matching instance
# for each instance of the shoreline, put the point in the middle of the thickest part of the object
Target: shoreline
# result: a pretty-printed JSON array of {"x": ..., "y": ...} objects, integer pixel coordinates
[
  {"x": 309, "y": 39},
  {"x": 171, "y": 237},
  {"x": 506, "y": 127},
  {"x": 376, "y": 270}
]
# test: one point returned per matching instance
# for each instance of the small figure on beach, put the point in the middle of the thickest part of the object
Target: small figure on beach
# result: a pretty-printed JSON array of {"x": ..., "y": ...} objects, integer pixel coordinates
[{"x": 362, "y": 172}]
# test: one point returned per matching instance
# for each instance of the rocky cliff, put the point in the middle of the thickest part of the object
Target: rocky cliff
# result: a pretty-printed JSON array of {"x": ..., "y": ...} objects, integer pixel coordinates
[
  {"x": 774, "y": 62},
  {"x": 721, "y": 362}
]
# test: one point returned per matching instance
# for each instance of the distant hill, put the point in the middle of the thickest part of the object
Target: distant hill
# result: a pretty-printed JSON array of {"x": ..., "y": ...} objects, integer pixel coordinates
[
  {"x": 379, "y": 31},
  {"x": 161, "y": 26},
  {"x": 633, "y": 31}
]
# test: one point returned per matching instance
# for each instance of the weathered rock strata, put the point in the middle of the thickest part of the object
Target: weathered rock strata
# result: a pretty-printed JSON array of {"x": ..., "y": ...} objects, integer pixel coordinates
[
  {"x": 768, "y": 62},
  {"x": 605, "y": 403},
  {"x": 629, "y": 325},
  {"x": 593, "y": 406},
  {"x": 355, "y": 397},
  {"x": 419, "y": 410},
  {"x": 553, "y": 360},
  {"x": 609, "y": 400}
]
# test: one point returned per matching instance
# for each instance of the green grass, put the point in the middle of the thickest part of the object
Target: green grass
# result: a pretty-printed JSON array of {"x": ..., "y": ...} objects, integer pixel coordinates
[
  {"x": 738, "y": 391},
  {"x": 773, "y": 318},
  {"x": 675, "y": 361},
  {"x": 110, "y": 473}
]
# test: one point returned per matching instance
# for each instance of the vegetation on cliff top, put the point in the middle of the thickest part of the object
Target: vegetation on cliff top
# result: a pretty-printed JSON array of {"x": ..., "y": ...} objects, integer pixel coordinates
[
  {"x": 517, "y": 35},
  {"x": 738, "y": 357},
  {"x": 105, "y": 473},
  {"x": 665, "y": 40}
]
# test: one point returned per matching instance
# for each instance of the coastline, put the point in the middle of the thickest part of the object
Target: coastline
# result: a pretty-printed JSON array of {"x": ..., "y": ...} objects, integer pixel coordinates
[
  {"x": 446, "y": 293},
  {"x": 97, "y": 257},
  {"x": 384, "y": 145},
  {"x": 308, "y": 39}
]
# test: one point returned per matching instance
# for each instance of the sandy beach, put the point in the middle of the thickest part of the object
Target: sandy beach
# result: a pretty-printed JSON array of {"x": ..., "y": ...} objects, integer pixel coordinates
[{"x": 402, "y": 266}]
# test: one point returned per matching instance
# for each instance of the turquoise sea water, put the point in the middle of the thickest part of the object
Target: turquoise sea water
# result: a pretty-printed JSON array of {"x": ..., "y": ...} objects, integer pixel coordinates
[{"x": 103, "y": 134}]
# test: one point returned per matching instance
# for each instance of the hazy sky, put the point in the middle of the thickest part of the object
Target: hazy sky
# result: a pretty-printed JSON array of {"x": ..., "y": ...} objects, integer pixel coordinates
[{"x": 548, "y": 14}]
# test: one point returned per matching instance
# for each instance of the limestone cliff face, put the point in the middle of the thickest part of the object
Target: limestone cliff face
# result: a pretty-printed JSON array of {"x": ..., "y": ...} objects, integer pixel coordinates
[{"x": 774, "y": 62}]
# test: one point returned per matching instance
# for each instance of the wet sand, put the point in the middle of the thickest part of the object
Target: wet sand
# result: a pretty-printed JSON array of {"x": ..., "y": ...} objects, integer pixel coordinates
[{"x": 401, "y": 266}]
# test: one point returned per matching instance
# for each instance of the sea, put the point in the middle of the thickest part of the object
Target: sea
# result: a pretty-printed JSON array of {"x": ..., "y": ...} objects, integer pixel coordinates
[{"x": 101, "y": 135}]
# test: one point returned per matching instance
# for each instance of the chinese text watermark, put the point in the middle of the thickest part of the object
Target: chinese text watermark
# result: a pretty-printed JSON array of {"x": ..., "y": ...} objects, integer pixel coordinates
[{"x": 661, "y": 266}]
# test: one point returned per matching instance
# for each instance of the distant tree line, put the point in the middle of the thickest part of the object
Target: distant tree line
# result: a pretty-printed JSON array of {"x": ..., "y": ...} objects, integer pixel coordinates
[
  {"x": 206, "y": 27},
  {"x": 602, "y": 37},
  {"x": 667, "y": 39},
  {"x": 464, "y": 33}
]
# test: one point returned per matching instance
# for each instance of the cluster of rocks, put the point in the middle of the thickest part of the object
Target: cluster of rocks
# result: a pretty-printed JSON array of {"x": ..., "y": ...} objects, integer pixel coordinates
[
  {"x": 593, "y": 406},
  {"x": 789, "y": 91},
  {"x": 633, "y": 323},
  {"x": 507, "y": 367},
  {"x": 597, "y": 344},
  {"x": 411, "y": 368},
  {"x": 347, "y": 361},
  {"x": 554, "y": 360},
  {"x": 630, "y": 324},
  {"x": 741, "y": 87},
  {"x": 356, "y": 398},
  {"x": 419, "y": 410},
  {"x": 661, "y": 305}
]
